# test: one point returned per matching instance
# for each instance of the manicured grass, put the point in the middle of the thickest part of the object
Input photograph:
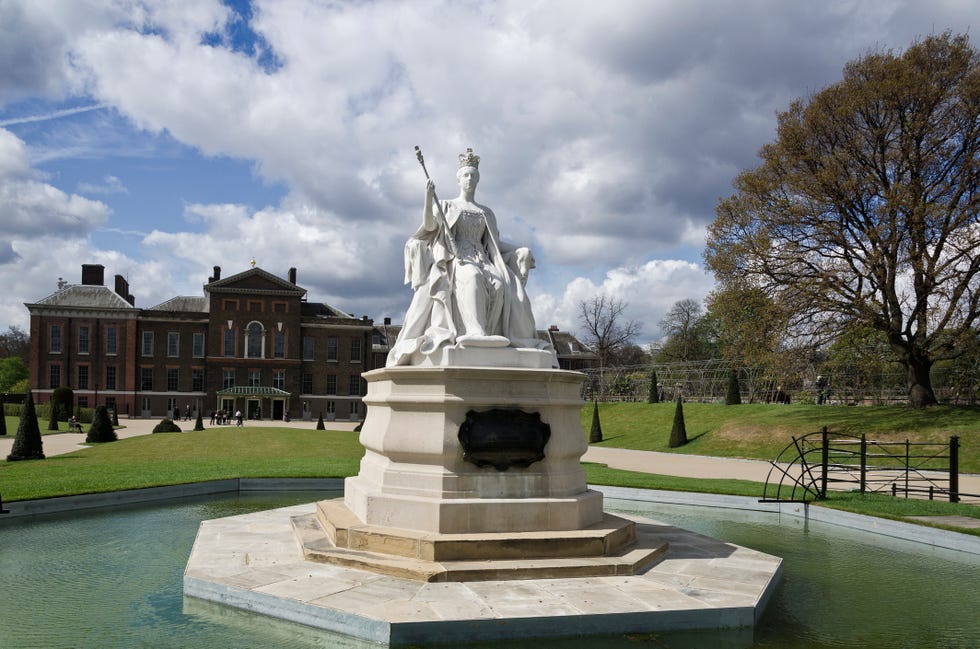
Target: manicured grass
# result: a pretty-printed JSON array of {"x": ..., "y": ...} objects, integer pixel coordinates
[
  {"x": 762, "y": 431},
  {"x": 220, "y": 453},
  {"x": 14, "y": 422},
  {"x": 177, "y": 458}
]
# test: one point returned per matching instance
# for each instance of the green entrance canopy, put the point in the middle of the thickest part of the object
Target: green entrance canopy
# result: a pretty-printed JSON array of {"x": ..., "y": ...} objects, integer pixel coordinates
[{"x": 253, "y": 391}]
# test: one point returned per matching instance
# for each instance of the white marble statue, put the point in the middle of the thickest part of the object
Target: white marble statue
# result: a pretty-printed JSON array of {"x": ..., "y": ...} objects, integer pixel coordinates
[{"x": 469, "y": 285}]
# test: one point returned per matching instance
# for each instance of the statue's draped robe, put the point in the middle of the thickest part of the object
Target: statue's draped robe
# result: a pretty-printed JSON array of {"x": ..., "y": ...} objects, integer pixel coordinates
[{"x": 432, "y": 320}]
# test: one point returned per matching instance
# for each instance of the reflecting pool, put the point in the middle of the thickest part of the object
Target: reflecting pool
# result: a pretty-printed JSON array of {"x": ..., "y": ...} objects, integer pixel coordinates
[{"x": 112, "y": 578}]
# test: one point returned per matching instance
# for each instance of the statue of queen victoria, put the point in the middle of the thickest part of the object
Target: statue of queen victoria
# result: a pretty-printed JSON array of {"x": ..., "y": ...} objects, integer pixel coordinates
[{"x": 469, "y": 285}]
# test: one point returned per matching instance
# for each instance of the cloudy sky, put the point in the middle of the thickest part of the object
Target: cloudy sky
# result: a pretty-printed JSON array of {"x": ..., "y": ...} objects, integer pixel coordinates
[{"x": 161, "y": 138}]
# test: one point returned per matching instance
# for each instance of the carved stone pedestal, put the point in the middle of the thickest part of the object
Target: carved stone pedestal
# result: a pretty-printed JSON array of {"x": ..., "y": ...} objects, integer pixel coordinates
[{"x": 415, "y": 474}]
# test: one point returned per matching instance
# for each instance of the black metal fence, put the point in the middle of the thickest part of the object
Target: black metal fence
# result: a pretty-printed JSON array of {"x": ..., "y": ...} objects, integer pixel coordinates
[{"x": 815, "y": 463}]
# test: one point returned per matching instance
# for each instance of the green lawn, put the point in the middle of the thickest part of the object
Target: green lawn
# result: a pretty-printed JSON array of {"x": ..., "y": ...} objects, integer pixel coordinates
[
  {"x": 762, "y": 431},
  {"x": 177, "y": 458},
  {"x": 753, "y": 431}
]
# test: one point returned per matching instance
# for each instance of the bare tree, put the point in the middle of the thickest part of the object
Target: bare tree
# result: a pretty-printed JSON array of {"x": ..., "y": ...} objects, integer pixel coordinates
[{"x": 607, "y": 329}]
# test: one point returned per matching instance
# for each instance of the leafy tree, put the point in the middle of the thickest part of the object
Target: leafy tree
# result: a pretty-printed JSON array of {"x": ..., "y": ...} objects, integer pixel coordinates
[
  {"x": 101, "y": 429},
  {"x": 607, "y": 330},
  {"x": 20, "y": 387},
  {"x": 12, "y": 370},
  {"x": 595, "y": 435},
  {"x": 864, "y": 210},
  {"x": 628, "y": 355},
  {"x": 27, "y": 442},
  {"x": 678, "y": 431},
  {"x": 62, "y": 403}
]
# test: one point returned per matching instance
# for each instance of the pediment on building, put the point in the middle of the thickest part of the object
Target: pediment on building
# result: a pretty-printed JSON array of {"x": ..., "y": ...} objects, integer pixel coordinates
[{"x": 255, "y": 280}]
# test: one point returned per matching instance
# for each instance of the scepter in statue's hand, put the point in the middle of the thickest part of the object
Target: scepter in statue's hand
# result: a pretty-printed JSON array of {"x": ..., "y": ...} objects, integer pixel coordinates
[{"x": 440, "y": 216}]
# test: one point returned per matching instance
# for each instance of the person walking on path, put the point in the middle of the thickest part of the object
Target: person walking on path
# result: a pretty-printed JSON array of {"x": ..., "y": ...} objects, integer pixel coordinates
[{"x": 238, "y": 417}]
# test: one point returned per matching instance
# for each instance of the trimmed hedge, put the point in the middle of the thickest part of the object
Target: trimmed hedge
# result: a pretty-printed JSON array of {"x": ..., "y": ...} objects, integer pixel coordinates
[{"x": 166, "y": 426}]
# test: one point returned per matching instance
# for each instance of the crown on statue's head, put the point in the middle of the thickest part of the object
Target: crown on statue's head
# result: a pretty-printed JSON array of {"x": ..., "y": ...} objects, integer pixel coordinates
[{"x": 469, "y": 159}]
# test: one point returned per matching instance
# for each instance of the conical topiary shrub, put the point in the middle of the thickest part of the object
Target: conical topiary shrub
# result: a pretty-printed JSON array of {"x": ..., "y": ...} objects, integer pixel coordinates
[
  {"x": 733, "y": 395},
  {"x": 678, "y": 432},
  {"x": 27, "y": 443},
  {"x": 654, "y": 390},
  {"x": 596, "y": 434},
  {"x": 53, "y": 418},
  {"x": 3, "y": 421},
  {"x": 115, "y": 417},
  {"x": 166, "y": 426},
  {"x": 319, "y": 423},
  {"x": 101, "y": 429},
  {"x": 199, "y": 424}
]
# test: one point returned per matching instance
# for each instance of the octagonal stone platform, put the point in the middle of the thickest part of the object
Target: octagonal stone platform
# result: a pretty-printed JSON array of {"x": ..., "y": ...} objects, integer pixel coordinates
[{"x": 255, "y": 562}]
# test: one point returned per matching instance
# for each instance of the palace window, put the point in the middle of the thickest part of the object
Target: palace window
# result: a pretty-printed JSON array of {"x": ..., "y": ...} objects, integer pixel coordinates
[
  {"x": 54, "y": 341},
  {"x": 146, "y": 378},
  {"x": 83, "y": 377},
  {"x": 331, "y": 384},
  {"x": 227, "y": 379},
  {"x": 198, "y": 345},
  {"x": 111, "y": 341},
  {"x": 254, "y": 378},
  {"x": 173, "y": 343},
  {"x": 54, "y": 376},
  {"x": 254, "y": 341},
  {"x": 279, "y": 345},
  {"x": 229, "y": 343},
  {"x": 307, "y": 387},
  {"x": 173, "y": 375},
  {"x": 83, "y": 340},
  {"x": 197, "y": 380},
  {"x": 147, "y": 343},
  {"x": 110, "y": 378},
  {"x": 332, "y": 348},
  {"x": 309, "y": 345},
  {"x": 355, "y": 384},
  {"x": 355, "y": 350},
  {"x": 279, "y": 379}
]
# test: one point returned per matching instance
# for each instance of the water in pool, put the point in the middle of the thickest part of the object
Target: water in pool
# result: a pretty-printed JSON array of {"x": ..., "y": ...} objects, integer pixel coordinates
[{"x": 112, "y": 578}]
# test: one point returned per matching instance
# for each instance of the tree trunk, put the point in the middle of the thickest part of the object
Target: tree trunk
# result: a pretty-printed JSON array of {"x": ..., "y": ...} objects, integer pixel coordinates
[{"x": 920, "y": 382}]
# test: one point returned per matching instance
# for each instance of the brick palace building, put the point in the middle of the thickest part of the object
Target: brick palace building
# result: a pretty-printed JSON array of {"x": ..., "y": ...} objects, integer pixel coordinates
[{"x": 252, "y": 342}]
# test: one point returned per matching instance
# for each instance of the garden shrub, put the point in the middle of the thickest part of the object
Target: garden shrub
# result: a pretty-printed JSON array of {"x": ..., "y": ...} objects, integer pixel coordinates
[
  {"x": 678, "y": 432},
  {"x": 101, "y": 429},
  {"x": 27, "y": 443},
  {"x": 166, "y": 426},
  {"x": 596, "y": 434}
]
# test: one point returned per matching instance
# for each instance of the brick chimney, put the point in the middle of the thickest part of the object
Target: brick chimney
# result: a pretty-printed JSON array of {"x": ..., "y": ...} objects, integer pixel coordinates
[
  {"x": 93, "y": 274},
  {"x": 292, "y": 275}
]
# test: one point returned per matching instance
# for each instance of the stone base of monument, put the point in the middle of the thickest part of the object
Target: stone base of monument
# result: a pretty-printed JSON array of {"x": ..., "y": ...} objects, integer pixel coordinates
[
  {"x": 470, "y": 520},
  {"x": 610, "y": 547}
]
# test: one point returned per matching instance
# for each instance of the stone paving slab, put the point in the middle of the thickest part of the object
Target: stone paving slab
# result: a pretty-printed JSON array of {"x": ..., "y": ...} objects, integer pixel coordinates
[{"x": 253, "y": 562}]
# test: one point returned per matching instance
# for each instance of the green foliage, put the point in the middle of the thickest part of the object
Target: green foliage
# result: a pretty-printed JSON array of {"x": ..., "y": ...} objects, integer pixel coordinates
[
  {"x": 319, "y": 423},
  {"x": 864, "y": 188},
  {"x": 101, "y": 429},
  {"x": 654, "y": 396},
  {"x": 52, "y": 417},
  {"x": 733, "y": 396},
  {"x": 199, "y": 424},
  {"x": 595, "y": 435},
  {"x": 166, "y": 426},
  {"x": 27, "y": 443},
  {"x": 12, "y": 371},
  {"x": 62, "y": 403},
  {"x": 678, "y": 431},
  {"x": 3, "y": 421},
  {"x": 20, "y": 387}
]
